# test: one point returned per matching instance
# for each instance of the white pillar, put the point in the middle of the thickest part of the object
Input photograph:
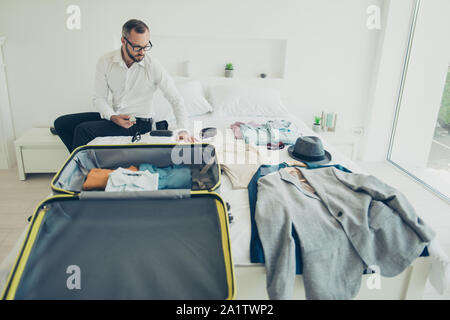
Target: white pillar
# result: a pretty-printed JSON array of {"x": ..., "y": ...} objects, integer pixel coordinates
[{"x": 7, "y": 137}]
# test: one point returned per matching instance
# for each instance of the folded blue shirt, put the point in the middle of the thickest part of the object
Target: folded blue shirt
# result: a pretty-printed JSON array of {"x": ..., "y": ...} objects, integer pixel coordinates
[
  {"x": 171, "y": 177},
  {"x": 257, "y": 135},
  {"x": 273, "y": 131},
  {"x": 282, "y": 131}
]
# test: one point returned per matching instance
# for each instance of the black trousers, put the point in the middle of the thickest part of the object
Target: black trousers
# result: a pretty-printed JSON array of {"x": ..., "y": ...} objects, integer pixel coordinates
[{"x": 79, "y": 129}]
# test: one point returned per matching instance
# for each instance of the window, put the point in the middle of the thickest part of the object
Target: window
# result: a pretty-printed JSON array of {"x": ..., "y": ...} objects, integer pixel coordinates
[{"x": 420, "y": 141}]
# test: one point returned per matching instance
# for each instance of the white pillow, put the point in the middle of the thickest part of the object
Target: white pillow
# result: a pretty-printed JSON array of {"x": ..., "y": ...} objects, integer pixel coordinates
[
  {"x": 246, "y": 101},
  {"x": 194, "y": 100}
]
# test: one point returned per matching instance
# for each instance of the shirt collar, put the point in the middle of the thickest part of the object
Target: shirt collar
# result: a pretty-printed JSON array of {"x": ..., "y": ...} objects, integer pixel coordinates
[
  {"x": 286, "y": 176},
  {"x": 118, "y": 58},
  {"x": 142, "y": 62}
]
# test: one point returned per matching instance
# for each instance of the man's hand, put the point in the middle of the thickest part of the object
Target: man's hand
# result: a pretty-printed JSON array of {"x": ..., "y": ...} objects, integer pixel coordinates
[
  {"x": 123, "y": 121},
  {"x": 184, "y": 136}
]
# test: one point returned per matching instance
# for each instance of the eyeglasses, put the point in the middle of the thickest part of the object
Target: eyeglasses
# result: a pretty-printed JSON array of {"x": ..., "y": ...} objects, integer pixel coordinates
[
  {"x": 139, "y": 48},
  {"x": 136, "y": 137}
]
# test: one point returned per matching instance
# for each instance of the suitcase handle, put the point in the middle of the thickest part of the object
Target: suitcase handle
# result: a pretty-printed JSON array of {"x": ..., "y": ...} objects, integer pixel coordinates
[{"x": 122, "y": 195}]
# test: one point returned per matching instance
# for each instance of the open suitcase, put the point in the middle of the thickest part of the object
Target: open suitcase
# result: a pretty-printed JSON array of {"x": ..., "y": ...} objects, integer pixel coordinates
[{"x": 164, "y": 244}]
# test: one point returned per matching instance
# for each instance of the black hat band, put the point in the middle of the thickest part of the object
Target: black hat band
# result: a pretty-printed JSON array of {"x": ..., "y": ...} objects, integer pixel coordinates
[{"x": 309, "y": 158}]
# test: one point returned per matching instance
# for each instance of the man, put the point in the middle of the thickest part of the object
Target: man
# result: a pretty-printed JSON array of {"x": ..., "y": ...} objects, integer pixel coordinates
[{"x": 131, "y": 76}]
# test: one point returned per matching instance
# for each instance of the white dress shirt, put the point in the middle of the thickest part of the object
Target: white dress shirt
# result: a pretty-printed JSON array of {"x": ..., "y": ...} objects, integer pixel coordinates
[{"x": 132, "y": 88}]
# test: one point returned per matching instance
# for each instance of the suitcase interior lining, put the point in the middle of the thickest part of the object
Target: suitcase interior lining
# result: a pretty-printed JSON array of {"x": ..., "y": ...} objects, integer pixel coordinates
[
  {"x": 139, "y": 249},
  {"x": 74, "y": 173}
]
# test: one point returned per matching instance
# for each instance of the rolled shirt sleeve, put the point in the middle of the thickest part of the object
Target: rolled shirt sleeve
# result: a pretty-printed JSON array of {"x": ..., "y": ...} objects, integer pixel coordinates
[
  {"x": 100, "y": 97},
  {"x": 171, "y": 93}
]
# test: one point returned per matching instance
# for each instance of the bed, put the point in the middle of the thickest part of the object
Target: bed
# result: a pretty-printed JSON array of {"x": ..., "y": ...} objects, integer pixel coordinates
[{"x": 250, "y": 278}]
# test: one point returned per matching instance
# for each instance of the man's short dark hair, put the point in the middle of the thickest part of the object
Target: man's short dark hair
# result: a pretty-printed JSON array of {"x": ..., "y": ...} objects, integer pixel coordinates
[{"x": 134, "y": 24}]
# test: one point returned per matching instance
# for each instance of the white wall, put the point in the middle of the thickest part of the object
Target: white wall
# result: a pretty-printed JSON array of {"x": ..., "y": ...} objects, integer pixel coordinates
[
  {"x": 3, "y": 150},
  {"x": 329, "y": 57},
  {"x": 7, "y": 150}
]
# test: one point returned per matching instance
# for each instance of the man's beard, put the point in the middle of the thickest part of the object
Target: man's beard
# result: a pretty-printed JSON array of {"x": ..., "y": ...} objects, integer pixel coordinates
[{"x": 133, "y": 57}]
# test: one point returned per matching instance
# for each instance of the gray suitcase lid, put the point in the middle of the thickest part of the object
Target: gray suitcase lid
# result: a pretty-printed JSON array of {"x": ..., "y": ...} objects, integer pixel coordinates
[{"x": 174, "y": 245}]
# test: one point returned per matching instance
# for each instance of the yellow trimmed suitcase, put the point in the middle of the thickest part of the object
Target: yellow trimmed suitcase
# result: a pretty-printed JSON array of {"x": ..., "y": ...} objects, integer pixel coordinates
[{"x": 162, "y": 244}]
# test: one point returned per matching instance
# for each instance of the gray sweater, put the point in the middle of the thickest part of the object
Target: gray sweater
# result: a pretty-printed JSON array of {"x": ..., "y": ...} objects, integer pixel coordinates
[{"x": 352, "y": 222}]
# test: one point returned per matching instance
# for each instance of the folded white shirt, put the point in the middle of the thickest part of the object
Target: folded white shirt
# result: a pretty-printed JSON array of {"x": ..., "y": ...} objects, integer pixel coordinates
[{"x": 127, "y": 180}]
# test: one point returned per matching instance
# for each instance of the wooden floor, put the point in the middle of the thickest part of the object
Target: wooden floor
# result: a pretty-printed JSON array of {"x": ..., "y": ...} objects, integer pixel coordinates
[{"x": 18, "y": 200}]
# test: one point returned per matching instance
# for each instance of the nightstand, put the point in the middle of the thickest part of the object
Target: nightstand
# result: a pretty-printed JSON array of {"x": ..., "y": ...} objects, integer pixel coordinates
[
  {"x": 345, "y": 142},
  {"x": 38, "y": 150}
]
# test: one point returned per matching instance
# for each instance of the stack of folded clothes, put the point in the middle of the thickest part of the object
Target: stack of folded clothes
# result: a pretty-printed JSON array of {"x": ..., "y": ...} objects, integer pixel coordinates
[
  {"x": 128, "y": 180},
  {"x": 171, "y": 177},
  {"x": 273, "y": 131},
  {"x": 97, "y": 178},
  {"x": 147, "y": 178}
]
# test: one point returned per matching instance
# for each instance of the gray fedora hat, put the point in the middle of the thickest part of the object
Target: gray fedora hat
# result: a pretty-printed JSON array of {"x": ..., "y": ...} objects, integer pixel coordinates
[{"x": 309, "y": 149}]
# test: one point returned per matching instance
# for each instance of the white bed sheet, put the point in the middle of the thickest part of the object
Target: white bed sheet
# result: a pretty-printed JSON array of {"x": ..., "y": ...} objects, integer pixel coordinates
[{"x": 240, "y": 229}]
